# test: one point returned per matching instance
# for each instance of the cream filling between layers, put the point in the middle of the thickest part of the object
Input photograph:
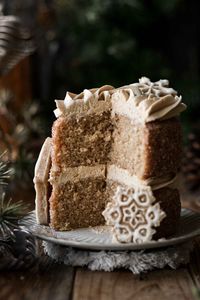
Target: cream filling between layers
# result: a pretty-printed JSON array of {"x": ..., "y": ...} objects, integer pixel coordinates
[
  {"x": 122, "y": 176},
  {"x": 77, "y": 173},
  {"x": 109, "y": 172}
]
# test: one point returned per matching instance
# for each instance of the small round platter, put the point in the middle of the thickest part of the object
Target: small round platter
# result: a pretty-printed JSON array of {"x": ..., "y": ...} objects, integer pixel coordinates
[{"x": 100, "y": 238}]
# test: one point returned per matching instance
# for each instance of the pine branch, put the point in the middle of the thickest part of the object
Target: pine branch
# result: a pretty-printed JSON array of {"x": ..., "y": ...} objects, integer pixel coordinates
[
  {"x": 5, "y": 171},
  {"x": 10, "y": 214}
]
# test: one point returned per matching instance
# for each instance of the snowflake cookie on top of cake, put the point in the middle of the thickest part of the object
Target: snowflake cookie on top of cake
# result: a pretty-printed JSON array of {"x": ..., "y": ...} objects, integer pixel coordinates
[{"x": 113, "y": 160}]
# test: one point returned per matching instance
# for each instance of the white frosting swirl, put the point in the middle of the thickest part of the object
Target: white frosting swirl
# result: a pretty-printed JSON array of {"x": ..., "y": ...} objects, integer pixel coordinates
[{"x": 144, "y": 101}]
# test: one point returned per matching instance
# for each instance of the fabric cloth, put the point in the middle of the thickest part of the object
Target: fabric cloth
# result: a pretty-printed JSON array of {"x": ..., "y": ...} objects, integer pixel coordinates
[{"x": 136, "y": 261}]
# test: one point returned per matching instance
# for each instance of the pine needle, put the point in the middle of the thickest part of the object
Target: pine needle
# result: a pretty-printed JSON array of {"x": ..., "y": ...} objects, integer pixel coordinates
[
  {"x": 10, "y": 214},
  {"x": 5, "y": 171}
]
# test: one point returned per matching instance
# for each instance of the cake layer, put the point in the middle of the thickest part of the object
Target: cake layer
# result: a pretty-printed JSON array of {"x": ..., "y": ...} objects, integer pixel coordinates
[
  {"x": 169, "y": 200},
  {"x": 163, "y": 148},
  {"x": 148, "y": 150},
  {"x": 145, "y": 150},
  {"x": 92, "y": 143},
  {"x": 78, "y": 204},
  {"x": 128, "y": 145},
  {"x": 80, "y": 195}
]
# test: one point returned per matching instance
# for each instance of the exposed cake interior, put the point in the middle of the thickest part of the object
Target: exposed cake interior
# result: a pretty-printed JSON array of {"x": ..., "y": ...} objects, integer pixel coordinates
[
  {"x": 83, "y": 140},
  {"x": 147, "y": 150},
  {"x": 78, "y": 198},
  {"x": 110, "y": 146},
  {"x": 80, "y": 192},
  {"x": 128, "y": 145}
]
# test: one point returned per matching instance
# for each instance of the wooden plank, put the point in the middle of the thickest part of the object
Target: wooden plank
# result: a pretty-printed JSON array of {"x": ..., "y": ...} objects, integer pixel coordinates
[
  {"x": 165, "y": 285},
  {"x": 46, "y": 281}
]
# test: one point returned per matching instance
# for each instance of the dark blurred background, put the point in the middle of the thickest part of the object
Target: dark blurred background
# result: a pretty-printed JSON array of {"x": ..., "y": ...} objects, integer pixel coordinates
[
  {"x": 90, "y": 43},
  {"x": 85, "y": 44}
]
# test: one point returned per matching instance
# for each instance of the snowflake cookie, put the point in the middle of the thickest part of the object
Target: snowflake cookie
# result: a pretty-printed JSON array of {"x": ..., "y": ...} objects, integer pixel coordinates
[
  {"x": 133, "y": 214},
  {"x": 158, "y": 88}
]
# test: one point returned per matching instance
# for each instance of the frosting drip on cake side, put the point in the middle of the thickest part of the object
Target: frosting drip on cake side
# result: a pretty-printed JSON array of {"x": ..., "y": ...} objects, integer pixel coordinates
[
  {"x": 133, "y": 214},
  {"x": 94, "y": 100}
]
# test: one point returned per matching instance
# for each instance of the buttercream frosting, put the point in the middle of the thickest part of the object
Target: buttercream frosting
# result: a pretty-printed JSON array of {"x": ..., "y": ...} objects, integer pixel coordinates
[
  {"x": 75, "y": 174},
  {"x": 144, "y": 101},
  {"x": 110, "y": 173},
  {"x": 147, "y": 101},
  {"x": 89, "y": 101},
  {"x": 122, "y": 176}
]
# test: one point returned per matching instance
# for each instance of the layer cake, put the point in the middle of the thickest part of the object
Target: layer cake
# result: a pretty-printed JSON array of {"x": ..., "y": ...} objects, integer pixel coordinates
[{"x": 113, "y": 159}]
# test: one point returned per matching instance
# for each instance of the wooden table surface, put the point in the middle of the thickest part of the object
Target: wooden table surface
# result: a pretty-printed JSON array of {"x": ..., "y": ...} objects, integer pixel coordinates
[{"x": 51, "y": 281}]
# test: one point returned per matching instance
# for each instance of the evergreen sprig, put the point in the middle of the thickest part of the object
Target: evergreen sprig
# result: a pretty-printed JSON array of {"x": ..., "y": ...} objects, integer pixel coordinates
[
  {"x": 5, "y": 171},
  {"x": 10, "y": 214}
]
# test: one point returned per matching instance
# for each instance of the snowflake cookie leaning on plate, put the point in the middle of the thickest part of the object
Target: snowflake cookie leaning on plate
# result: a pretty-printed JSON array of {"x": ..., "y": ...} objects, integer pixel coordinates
[{"x": 133, "y": 214}]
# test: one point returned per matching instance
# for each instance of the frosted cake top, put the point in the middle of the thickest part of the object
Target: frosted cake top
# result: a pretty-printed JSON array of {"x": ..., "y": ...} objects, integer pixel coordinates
[{"x": 145, "y": 101}]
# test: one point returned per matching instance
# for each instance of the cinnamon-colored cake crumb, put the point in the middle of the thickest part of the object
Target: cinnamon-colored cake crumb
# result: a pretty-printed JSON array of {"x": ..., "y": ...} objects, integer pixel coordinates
[
  {"x": 151, "y": 150},
  {"x": 115, "y": 152},
  {"x": 78, "y": 204},
  {"x": 92, "y": 143}
]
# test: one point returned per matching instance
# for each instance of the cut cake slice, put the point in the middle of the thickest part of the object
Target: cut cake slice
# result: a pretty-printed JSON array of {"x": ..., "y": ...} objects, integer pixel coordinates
[{"x": 109, "y": 141}]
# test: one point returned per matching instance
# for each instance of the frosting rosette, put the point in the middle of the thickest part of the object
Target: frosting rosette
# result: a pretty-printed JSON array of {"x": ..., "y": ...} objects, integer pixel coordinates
[
  {"x": 89, "y": 100},
  {"x": 148, "y": 101},
  {"x": 144, "y": 101}
]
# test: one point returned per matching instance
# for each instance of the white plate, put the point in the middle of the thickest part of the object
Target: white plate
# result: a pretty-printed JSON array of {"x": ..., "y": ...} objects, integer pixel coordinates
[{"x": 100, "y": 238}]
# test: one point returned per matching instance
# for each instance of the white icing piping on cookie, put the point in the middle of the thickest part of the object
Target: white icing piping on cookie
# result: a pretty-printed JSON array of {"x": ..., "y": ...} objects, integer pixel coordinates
[{"x": 133, "y": 214}]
